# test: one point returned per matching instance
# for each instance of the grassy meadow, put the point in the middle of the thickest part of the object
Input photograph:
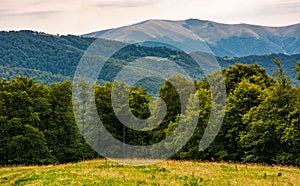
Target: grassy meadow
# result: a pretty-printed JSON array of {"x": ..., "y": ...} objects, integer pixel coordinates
[{"x": 104, "y": 172}]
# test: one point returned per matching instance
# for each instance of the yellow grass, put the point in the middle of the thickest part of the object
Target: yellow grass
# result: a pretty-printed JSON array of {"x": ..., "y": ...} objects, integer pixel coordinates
[{"x": 104, "y": 172}]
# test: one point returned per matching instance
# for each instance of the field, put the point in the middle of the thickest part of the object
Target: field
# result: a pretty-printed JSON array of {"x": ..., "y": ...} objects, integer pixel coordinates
[{"x": 104, "y": 172}]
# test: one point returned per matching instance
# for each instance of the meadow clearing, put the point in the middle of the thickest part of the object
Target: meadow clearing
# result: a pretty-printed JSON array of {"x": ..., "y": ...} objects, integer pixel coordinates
[{"x": 170, "y": 172}]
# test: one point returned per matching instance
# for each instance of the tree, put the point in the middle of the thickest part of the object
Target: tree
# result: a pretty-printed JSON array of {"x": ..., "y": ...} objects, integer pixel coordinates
[
  {"x": 263, "y": 140},
  {"x": 62, "y": 134},
  {"x": 245, "y": 96},
  {"x": 254, "y": 73}
]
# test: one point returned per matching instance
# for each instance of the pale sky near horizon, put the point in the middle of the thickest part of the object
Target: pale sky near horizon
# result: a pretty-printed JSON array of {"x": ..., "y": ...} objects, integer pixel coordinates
[{"x": 84, "y": 16}]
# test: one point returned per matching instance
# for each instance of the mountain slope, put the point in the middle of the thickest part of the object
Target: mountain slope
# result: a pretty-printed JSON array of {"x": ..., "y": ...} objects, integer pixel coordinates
[
  {"x": 232, "y": 40},
  {"x": 51, "y": 58},
  {"x": 57, "y": 55},
  {"x": 47, "y": 58}
]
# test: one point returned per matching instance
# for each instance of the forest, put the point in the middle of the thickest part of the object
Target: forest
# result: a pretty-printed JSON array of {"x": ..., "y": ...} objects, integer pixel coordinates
[
  {"x": 261, "y": 123},
  {"x": 53, "y": 58}
]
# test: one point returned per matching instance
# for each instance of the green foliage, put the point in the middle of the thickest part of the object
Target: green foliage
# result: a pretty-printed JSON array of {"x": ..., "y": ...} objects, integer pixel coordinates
[
  {"x": 52, "y": 58},
  {"x": 265, "y": 140},
  {"x": 297, "y": 69},
  {"x": 288, "y": 63},
  {"x": 261, "y": 124},
  {"x": 37, "y": 124}
]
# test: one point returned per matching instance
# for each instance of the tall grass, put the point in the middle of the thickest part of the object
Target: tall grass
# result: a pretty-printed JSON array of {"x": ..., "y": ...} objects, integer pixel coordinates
[{"x": 104, "y": 172}]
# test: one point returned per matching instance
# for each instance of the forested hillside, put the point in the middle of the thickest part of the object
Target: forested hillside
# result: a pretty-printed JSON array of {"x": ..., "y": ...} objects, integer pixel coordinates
[
  {"x": 53, "y": 58},
  {"x": 44, "y": 57},
  {"x": 261, "y": 124},
  {"x": 288, "y": 63}
]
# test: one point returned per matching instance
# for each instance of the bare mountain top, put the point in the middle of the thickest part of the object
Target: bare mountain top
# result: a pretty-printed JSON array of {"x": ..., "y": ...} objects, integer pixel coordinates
[{"x": 222, "y": 39}]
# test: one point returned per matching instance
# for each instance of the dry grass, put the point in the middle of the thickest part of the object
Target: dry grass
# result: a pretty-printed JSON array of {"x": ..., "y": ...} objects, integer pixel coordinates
[{"x": 104, "y": 172}]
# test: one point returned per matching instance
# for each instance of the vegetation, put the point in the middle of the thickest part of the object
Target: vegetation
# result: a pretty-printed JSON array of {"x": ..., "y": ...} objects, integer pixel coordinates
[
  {"x": 288, "y": 63},
  {"x": 53, "y": 58},
  {"x": 103, "y": 172},
  {"x": 37, "y": 122},
  {"x": 261, "y": 124}
]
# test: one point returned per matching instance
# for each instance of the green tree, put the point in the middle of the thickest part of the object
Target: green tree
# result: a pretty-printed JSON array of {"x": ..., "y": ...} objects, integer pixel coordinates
[
  {"x": 245, "y": 96},
  {"x": 266, "y": 123},
  {"x": 62, "y": 134}
]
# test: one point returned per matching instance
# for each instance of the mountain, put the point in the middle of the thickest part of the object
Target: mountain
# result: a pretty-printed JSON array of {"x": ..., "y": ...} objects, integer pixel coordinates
[
  {"x": 44, "y": 57},
  {"x": 232, "y": 40},
  {"x": 52, "y": 58}
]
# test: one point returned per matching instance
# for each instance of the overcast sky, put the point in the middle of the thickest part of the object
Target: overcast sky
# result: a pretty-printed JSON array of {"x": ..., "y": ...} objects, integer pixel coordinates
[{"x": 84, "y": 16}]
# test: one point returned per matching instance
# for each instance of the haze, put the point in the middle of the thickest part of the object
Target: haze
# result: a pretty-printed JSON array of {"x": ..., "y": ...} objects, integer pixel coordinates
[{"x": 82, "y": 16}]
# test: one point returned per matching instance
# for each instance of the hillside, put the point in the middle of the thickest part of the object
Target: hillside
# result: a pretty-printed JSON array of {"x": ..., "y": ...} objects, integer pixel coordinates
[
  {"x": 46, "y": 58},
  {"x": 288, "y": 63},
  {"x": 103, "y": 172},
  {"x": 234, "y": 40},
  {"x": 51, "y": 58}
]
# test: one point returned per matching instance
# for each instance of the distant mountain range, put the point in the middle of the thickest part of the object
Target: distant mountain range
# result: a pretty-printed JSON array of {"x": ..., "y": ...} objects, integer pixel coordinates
[{"x": 232, "y": 40}]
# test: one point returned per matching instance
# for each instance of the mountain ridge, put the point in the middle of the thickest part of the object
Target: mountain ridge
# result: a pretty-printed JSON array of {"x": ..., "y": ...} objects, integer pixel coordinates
[{"x": 233, "y": 40}]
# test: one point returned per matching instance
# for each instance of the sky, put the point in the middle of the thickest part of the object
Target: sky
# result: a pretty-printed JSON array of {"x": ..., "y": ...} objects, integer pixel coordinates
[{"x": 84, "y": 16}]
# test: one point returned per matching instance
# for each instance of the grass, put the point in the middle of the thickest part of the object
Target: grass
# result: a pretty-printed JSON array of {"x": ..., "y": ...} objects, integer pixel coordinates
[{"x": 104, "y": 172}]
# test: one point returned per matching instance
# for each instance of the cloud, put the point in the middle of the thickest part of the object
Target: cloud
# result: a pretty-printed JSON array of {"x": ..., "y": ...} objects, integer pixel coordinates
[
  {"x": 40, "y": 5},
  {"x": 36, "y": 14},
  {"x": 82, "y": 16},
  {"x": 124, "y": 3},
  {"x": 280, "y": 7},
  {"x": 5, "y": 10},
  {"x": 44, "y": 7}
]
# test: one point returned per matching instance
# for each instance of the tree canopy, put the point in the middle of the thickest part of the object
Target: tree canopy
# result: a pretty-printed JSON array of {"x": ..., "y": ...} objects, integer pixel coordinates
[{"x": 261, "y": 124}]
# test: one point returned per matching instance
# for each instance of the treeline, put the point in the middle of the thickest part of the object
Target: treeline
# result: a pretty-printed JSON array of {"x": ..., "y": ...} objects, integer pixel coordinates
[
  {"x": 261, "y": 124},
  {"x": 37, "y": 124}
]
